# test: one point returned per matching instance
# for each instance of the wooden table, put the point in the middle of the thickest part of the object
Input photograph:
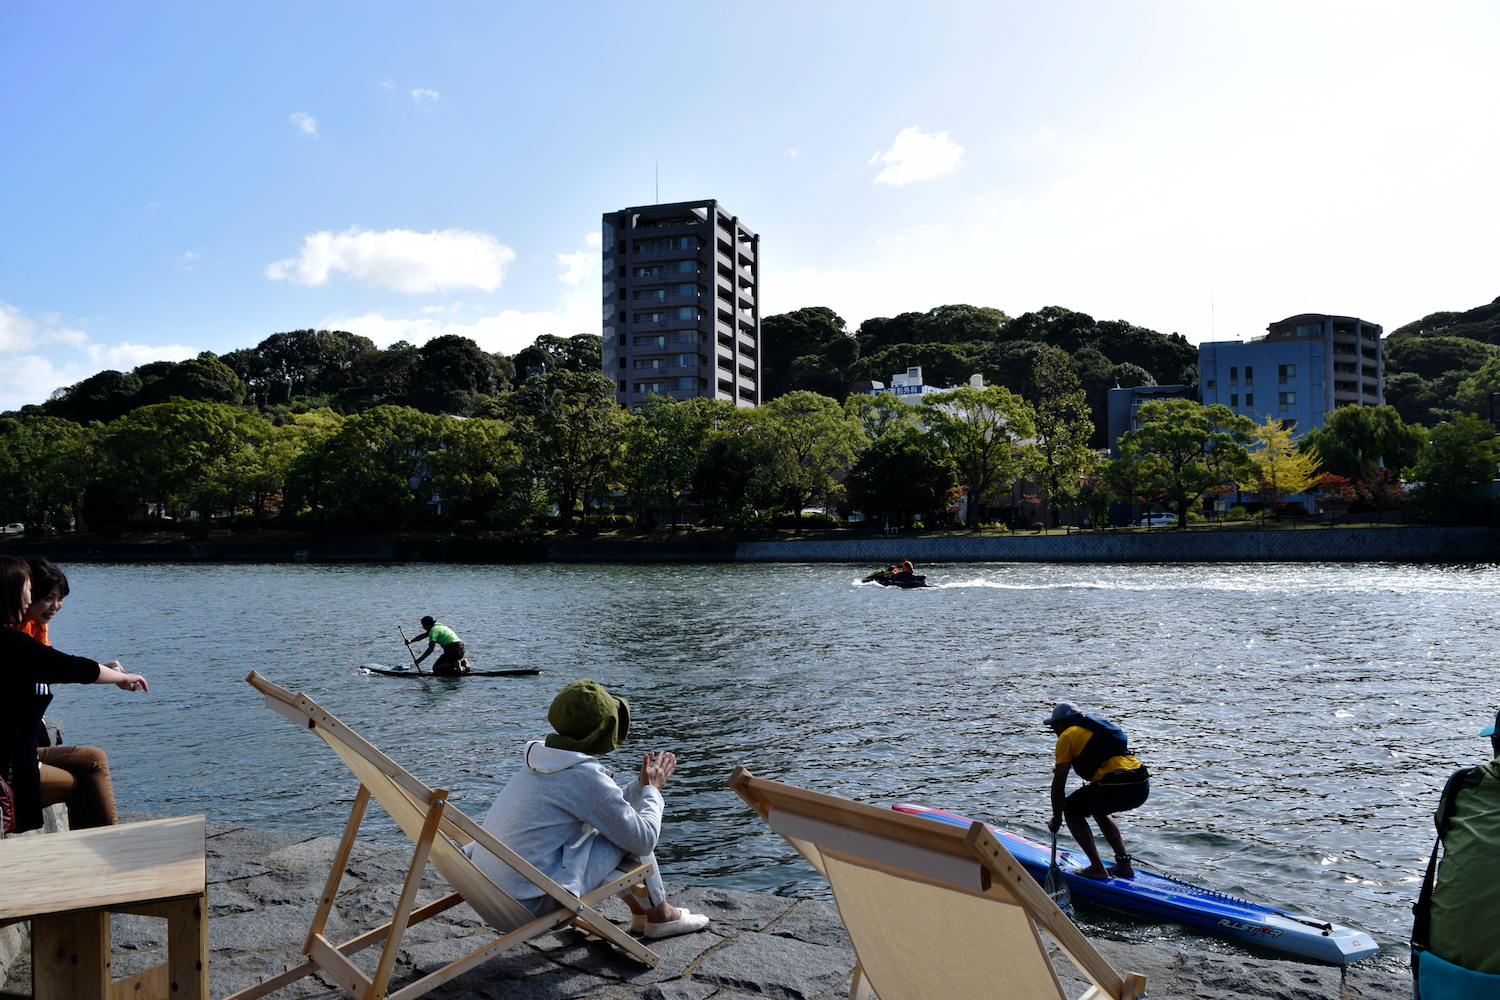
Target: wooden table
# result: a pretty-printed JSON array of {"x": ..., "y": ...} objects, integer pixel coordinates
[{"x": 67, "y": 885}]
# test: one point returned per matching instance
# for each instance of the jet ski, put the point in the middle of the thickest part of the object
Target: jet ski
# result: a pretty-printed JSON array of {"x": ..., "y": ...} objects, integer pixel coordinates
[{"x": 904, "y": 580}]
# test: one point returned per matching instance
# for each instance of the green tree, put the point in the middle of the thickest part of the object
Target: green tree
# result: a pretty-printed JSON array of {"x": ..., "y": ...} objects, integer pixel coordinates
[
  {"x": 880, "y": 413},
  {"x": 941, "y": 364},
  {"x": 1461, "y": 456},
  {"x": 101, "y": 397},
  {"x": 370, "y": 471},
  {"x": 158, "y": 452},
  {"x": 42, "y": 460},
  {"x": 1181, "y": 451},
  {"x": 571, "y": 433},
  {"x": 203, "y": 378},
  {"x": 478, "y": 469},
  {"x": 902, "y": 476},
  {"x": 663, "y": 441},
  {"x": 453, "y": 375},
  {"x": 550, "y": 353},
  {"x": 1356, "y": 440},
  {"x": 1061, "y": 455},
  {"x": 1475, "y": 392},
  {"x": 981, "y": 430},
  {"x": 814, "y": 342},
  {"x": 808, "y": 439}
]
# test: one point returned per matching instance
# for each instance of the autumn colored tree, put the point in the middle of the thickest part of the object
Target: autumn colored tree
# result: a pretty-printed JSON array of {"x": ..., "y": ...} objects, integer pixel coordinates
[{"x": 1278, "y": 468}]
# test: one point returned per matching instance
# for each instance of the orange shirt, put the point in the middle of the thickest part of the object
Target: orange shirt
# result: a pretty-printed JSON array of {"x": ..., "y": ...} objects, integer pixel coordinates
[{"x": 37, "y": 630}]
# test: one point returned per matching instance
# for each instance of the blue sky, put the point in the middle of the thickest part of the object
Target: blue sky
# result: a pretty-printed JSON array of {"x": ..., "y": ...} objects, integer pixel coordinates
[{"x": 186, "y": 177}]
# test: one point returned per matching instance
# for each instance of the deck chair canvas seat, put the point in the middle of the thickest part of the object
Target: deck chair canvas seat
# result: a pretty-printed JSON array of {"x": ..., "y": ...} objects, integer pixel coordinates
[
  {"x": 931, "y": 909},
  {"x": 439, "y": 833}
]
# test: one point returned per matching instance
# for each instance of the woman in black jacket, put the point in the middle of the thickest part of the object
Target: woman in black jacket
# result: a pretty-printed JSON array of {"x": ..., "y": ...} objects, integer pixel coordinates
[{"x": 24, "y": 665}]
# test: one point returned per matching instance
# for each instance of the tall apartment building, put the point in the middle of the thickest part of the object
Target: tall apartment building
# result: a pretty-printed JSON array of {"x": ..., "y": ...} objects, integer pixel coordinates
[
  {"x": 681, "y": 303},
  {"x": 1303, "y": 367}
]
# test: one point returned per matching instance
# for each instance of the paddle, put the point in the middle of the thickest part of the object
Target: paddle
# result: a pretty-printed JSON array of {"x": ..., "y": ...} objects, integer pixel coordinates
[
  {"x": 419, "y": 667},
  {"x": 1056, "y": 884}
]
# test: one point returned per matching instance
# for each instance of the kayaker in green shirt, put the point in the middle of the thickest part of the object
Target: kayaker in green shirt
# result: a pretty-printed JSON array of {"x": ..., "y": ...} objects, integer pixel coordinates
[{"x": 452, "y": 662}]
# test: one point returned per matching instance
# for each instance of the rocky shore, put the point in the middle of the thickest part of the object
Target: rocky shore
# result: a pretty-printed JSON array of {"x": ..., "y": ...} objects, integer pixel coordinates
[{"x": 264, "y": 886}]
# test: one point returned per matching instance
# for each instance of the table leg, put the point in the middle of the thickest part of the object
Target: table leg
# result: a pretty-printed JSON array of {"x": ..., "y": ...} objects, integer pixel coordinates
[
  {"x": 70, "y": 956},
  {"x": 187, "y": 948}
]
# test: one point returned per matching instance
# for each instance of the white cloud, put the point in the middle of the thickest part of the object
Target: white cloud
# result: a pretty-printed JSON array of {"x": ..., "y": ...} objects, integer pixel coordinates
[
  {"x": 304, "y": 122},
  {"x": 423, "y": 94},
  {"x": 917, "y": 156},
  {"x": 578, "y": 265},
  {"x": 39, "y": 354},
  {"x": 399, "y": 259},
  {"x": 593, "y": 239},
  {"x": 387, "y": 84},
  {"x": 796, "y": 154}
]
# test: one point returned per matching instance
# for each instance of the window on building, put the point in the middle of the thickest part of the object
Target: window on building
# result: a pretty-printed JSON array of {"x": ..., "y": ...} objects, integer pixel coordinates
[
  {"x": 685, "y": 312},
  {"x": 622, "y": 362},
  {"x": 622, "y": 270},
  {"x": 658, "y": 341},
  {"x": 685, "y": 290},
  {"x": 650, "y": 386},
  {"x": 1286, "y": 398},
  {"x": 684, "y": 266},
  {"x": 1290, "y": 425},
  {"x": 1310, "y": 330},
  {"x": 1249, "y": 377},
  {"x": 1284, "y": 372},
  {"x": 652, "y": 363},
  {"x": 622, "y": 293},
  {"x": 1341, "y": 386},
  {"x": 1210, "y": 383},
  {"x": 1249, "y": 398},
  {"x": 1234, "y": 400},
  {"x": 622, "y": 250},
  {"x": 622, "y": 317},
  {"x": 1234, "y": 375},
  {"x": 647, "y": 272},
  {"x": 1371, "y": 389},
  {"x": 622, "y": 381},
  {"x": 1345, "y": 368},
  {"x": 659, "y": 294},
  {"x": 688, "y": 382},
  {"x": 622, "y": 340},
  {"x": 655, "y": 317},
  {"x": 687, "y": 360},
  {"x": 689, "y": 337}
]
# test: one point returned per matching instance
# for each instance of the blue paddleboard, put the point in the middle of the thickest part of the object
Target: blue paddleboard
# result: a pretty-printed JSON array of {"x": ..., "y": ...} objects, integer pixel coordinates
[{"x": 1159, "y": 897}]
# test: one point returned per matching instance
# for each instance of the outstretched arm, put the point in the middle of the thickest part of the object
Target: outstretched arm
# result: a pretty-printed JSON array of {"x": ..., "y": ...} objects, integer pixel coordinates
[
  {"x": 430, "y": 647},
  {"x": 417, "y": 638}
]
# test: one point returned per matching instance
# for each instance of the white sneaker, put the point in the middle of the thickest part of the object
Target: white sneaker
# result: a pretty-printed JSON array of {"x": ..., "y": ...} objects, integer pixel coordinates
[{"x": 688, "y": 923}]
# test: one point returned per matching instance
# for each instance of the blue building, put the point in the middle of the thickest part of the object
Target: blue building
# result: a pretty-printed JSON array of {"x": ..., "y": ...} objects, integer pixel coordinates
[{"x": 1305, "y": 366}]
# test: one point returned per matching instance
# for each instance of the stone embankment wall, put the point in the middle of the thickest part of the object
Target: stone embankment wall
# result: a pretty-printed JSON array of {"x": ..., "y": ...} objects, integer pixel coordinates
[{"x": 1395, "y": 544}]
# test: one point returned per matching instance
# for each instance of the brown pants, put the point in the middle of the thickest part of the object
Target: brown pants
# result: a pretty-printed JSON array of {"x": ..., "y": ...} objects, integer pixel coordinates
[{"x": 78, "y": 776}]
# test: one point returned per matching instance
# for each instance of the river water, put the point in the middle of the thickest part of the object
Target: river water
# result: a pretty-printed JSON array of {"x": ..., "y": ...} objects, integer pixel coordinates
[{"x": 1298, "y": 720}]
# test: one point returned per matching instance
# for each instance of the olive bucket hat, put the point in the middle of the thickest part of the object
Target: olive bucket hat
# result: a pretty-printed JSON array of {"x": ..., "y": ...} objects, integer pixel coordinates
[{"x": 588, "y": 719}]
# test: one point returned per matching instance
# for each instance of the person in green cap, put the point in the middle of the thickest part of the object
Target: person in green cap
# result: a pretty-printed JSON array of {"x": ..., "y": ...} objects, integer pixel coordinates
[
  {"x": 563, "y": 812},
  {"x": 452, "y": 662}
]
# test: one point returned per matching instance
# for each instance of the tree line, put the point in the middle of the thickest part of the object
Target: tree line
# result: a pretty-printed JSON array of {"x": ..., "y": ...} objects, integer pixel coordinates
[{"x": 555, "y": 451}]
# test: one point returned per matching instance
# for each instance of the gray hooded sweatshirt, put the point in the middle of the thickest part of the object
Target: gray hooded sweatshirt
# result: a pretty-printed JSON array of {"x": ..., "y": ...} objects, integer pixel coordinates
[{"x": 564, "y": 813}]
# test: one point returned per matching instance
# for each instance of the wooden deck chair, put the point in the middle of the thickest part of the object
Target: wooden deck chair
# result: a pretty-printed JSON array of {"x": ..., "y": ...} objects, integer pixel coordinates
[
  {"x": 932, "y": 910},
  {"x": 438, "y": 831}
]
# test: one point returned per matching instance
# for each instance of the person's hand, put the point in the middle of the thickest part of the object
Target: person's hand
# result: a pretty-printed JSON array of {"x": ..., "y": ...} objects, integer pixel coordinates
[
  {"x": 657, "y": 768},
  {"x": 124, "y": 681},
  {"x": 1054, "y": 824}
]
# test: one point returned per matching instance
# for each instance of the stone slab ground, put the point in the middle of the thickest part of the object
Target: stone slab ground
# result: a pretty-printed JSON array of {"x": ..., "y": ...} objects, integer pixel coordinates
[{"x": 264, "y": 886}]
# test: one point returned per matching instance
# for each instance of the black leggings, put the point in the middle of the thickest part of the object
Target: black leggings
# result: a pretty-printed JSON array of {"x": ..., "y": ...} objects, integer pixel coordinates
[{"x": 448, "y": 662}]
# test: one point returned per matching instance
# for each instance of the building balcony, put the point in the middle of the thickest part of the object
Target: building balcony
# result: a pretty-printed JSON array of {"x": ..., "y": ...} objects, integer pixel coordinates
[
  {"x": 679, "y": 253},
  {"x": 667, "y": 324},
  {"x": 659, "y": 229}
]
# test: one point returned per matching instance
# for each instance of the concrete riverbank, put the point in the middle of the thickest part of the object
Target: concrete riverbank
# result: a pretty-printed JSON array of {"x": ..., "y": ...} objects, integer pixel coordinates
[
  {"x": 265, "y": 885},
  {"x": 1236, "y": 544}
]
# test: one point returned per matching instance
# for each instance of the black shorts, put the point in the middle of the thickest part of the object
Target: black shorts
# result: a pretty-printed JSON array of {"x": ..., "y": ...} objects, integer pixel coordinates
[{"x": 1116, "y": 792}]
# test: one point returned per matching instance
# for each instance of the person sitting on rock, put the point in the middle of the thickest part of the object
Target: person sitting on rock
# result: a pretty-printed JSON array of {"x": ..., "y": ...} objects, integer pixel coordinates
[{"x": 563, "y": 812}]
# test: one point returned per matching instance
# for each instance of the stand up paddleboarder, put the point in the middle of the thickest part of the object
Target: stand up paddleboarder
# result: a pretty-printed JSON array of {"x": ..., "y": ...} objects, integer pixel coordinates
[
  {"x": 1097, "y": 750},
  {"x": 452, "y": 662}
]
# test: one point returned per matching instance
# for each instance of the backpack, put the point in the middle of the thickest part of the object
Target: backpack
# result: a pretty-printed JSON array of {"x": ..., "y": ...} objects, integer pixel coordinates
[{"x": 1421, "y": 928}]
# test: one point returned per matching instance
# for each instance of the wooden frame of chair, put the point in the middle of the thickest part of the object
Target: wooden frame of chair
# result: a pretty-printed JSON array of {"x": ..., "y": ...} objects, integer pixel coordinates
[
  {"x": 928, "y": 841},
  {"x": 441, "y": 828}
]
